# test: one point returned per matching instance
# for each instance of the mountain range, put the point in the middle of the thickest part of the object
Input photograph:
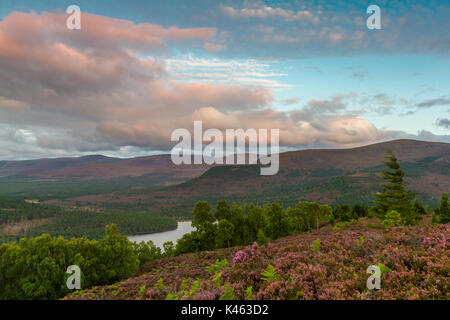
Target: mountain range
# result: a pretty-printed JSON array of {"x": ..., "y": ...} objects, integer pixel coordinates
[{"x": 324, "y": 175}]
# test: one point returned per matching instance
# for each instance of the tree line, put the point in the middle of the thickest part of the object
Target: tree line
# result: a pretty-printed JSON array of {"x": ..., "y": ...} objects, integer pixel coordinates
[{"x": 59, "y": 221}]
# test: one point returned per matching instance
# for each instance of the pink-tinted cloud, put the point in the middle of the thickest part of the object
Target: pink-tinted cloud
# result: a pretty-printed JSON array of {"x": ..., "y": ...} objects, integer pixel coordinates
[
  {"x": 94, "y": 80},
  {"x": 92, "y": 89},
  {"x": 97, "y": 32},
  {"x": 213, "y": 47}
]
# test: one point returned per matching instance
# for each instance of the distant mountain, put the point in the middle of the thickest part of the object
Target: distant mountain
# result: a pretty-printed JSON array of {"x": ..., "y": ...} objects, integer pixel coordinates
[
  {"x": 324, "y": 175},
  {"x": 48, "y": 166},
  {"x": 98, "y": 167},
  {"x": 327, "y": 175}
]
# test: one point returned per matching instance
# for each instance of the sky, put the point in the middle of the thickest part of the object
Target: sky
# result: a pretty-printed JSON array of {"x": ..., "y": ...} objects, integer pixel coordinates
[{"x": 137, "y": 70}]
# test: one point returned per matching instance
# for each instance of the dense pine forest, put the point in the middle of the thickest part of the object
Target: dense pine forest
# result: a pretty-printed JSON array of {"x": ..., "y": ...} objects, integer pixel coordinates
[{"x": 25, "y": 218}]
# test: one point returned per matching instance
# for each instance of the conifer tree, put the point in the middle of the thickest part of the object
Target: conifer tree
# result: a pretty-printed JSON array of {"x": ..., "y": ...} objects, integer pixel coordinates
[
  {"x": 394, "y": 195},
  {"x": 444, "y": 210},
  {"x": 224, "y": 237}
]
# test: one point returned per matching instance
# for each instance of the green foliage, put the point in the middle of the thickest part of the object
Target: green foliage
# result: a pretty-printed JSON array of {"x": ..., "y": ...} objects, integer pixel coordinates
[
  {"x": 444, "y": 209},
  {"x": 342, "y": 213},
  {"x": 277, "y": 221},
  {"x": 228, "y": 293},
  {"x": 190, "y": 242},
  {"x": 360, "y": 242},
  {"x": 142, "y": 290},
  {"x": 169, "y": 249},
  {"x": 270, "y": 274},
  {"x": 316, "y": 245},
  {"x": 254, "y": 222},
  {"x": 225, "y": 232},
  {"x": 36, "y": 268},
  {"x": 160, "y": 285},
  {"x": 249, "y": 293},
  {"x": 203, "y": 221},
  {"x": 307, "y": 216},
  {"x": 146, "y": 251},
  {"x": 76, "y": 222},
  {"x": 186, "y": 292},
  {"x": 359, "y": 211},
  {"x": 392, "y": 219},
  {"x": 384, "y": 268},
  {"x": 394, "y": 195},
  {"x": 216, "y": 279},
  {"x": 418, "y": 208},
  {"x": 194, "y": 289},
  {"x": 223, "y": 211},
  {"x": 217, "y": 266},
  {"x": 202, "y": 216},
  {"x": 172, "y": 296},
  {"x": 435, "y": 216},
  {"x": 118, "y": 258},
  {"x": 340, "y": 225},
  {"x": 245, "y": 225},
  {"x": 261, "y": 238}
]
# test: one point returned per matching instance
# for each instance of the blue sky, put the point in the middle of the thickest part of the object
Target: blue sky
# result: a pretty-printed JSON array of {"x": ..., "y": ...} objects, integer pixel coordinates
[{"x": 311, "y": 68}]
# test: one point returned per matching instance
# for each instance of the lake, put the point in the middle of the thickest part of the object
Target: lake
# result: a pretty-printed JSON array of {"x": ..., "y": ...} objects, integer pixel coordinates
[{"x": 160, "y": 237}]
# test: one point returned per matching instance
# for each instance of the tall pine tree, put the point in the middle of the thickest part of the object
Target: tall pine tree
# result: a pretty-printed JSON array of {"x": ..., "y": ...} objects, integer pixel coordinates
[
  {"x": 444, "y": 209},
  {"x": 394, "y": 195}
]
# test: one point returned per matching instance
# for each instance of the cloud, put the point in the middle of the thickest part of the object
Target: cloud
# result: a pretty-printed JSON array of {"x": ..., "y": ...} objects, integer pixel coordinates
[
  {"x": 213, "y": 47},
  {"x": 98, "y": 33},
  {"x": 113, "y": 87},
  {"x": 263, "y": 11},
  {"x": 96, "y": 90},
  {"x": 434, "y": 102},
  {"x": 311, "y": 29},
  {"x": 384, "y": 104},
  {"x": 443, "y": 122},
  {"x": 246, "y": 72},
  {"x": 336, "y": 104},
  {"x": 358, "y": 72},
  {"x": 287, "y": 102},
  {"x": 11, "y": 104},
  {"x": 415, "y": 106}
]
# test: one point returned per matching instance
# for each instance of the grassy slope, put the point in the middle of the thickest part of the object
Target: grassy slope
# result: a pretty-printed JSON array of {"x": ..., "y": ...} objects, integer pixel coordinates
[{"x": 417, "y": 258}]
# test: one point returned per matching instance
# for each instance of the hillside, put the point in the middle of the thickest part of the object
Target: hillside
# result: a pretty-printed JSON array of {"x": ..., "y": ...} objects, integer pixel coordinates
[
  {"x": 328, "y": 176},
  {"x": 45, "y": 167},
  {"x": 154, "y": 184},
  {"x": 48, "y": 179},
  {"x": 97, "y": 167},
  {"x": 413, "y": 261}
]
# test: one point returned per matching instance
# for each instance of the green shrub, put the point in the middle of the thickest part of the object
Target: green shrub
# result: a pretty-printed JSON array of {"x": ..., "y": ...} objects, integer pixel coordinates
[
  {"x": 316, "y": 245},
  {"x": 270, "y": 274},
  {"x": 392, "y": 219}
]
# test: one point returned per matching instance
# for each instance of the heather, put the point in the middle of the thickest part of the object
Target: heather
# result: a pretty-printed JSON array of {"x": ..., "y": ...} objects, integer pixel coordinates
[{"x": 323, "y": 264}]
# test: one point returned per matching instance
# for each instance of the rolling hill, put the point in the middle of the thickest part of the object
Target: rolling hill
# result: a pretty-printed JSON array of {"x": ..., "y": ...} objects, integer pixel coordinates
[
  {"x": 328, "y": 176},
  {"x": 97, "y": 167},
  {"x": 96, "y": 190}
]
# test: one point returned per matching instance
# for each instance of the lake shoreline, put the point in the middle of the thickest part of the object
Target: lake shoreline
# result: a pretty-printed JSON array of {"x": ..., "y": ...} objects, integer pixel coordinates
[
  {"x": 159, "y": 238},
  {"x": 159, "y": 231}
]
